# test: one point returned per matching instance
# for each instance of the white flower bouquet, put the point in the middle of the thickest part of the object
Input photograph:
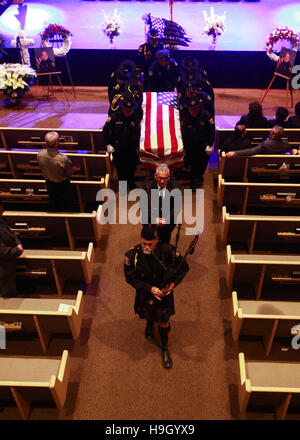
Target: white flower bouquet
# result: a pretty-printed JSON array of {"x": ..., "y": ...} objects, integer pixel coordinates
[
  {"x": 215, "y": 24},
  {"x": 16, "y": 79},
  {"x": 112, "y": 27}
]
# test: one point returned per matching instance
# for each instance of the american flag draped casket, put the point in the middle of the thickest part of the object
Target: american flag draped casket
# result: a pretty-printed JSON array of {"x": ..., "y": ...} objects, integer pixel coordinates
[{"x": 161, "y": 141}]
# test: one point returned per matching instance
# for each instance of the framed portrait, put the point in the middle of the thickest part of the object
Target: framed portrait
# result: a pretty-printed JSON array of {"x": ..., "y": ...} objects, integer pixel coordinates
[
  {"x": 45, "y": 60},
  {"x": 286, "y": 62}
]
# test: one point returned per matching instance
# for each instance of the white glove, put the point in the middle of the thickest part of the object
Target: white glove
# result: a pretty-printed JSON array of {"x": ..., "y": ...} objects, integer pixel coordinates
[
  {"x": 110, "y": 149},
  {"x": 208, "y": 150}
]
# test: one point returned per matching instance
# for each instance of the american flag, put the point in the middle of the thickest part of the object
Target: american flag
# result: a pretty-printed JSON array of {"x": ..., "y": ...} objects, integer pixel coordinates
[{"x": 161, "y": 140}]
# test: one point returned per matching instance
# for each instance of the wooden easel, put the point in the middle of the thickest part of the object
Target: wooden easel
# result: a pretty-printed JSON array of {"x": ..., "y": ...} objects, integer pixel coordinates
[
  {"x": 50, "y": 85},
  {"x": 288, "y": 88}
]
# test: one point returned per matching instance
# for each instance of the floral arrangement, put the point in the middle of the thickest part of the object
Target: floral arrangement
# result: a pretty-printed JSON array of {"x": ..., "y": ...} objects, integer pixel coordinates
[
  {"x": 112, "y": 27},
  {"x": 215, "y": 24},
  {"x": 51, "y": 32},
  {"x": 281, "y": 34},
  {"x": 22, "y": 42},
  {"x": 16, "y": 79}
]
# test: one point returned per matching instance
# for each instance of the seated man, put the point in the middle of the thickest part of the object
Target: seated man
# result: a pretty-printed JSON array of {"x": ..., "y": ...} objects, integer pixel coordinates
[
  {"x": 274, "y": 145},
  {"x": 294, "y": 121},
  {"x": 280, "y": 118},
  {"x": 255, "y": 117},
  {"x": 238, "y": 141}
]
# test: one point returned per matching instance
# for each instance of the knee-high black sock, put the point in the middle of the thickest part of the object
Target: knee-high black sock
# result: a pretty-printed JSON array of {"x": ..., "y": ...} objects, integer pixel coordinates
[{"x": 164, "y": 333}]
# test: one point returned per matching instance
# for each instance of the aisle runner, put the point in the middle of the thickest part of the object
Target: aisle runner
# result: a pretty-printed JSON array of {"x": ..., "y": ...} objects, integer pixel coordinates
[{"x": 161, "y": 140}]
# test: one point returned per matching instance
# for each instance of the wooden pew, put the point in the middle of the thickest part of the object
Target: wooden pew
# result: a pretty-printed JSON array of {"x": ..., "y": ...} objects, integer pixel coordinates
[
  {"x": 265, "y": 383},
  {"x": 24, "y": 192},
  {"x": 42, "y": 316},
  {"x": 267, "y": 319},
  {"x": 22, "y": 164},
  {"x": 257, "y": 135},
  {"x": 262, "y": 230},
  {"x": 239, "y": 197},
  {"x": 259, "y": 168},
  {"x": 70, "y": 139},
  {"x": 58, "y": 265},
  {"x": 261, "y": 270},
  {"x": 39, "y": 226},
  {"x": 31, "y": 379}
]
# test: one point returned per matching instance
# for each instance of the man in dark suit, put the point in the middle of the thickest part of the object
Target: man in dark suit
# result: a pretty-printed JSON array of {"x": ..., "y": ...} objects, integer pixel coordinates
[
  {"x": 163, "y": 184},
  {"x": 10, "y": 249},
  {"x": 274, "y": 145}
]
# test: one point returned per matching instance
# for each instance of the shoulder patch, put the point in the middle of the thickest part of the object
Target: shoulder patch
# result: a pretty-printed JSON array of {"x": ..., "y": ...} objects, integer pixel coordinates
[{"x": 127, "y": 261}]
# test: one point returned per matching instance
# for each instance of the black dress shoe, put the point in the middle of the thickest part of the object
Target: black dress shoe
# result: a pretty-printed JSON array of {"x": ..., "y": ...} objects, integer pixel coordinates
[
  {"x": 166, "y": 358},
  {"x": 149, "y": 331}
]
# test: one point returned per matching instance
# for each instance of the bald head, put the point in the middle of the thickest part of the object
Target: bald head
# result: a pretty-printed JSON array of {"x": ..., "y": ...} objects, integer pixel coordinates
[{"x": 52, "y": 139}]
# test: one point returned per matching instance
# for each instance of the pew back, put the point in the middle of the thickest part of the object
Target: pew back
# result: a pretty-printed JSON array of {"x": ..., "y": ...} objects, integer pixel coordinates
[
  {"x": 260, "y": 168},
  {"x": 30, "y": 379},
  {"x": 256, "y": 135},
  {"x": 39, "y": 226}
]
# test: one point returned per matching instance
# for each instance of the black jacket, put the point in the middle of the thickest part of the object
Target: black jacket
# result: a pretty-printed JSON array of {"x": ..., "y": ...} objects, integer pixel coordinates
[
  {"x": 9, "y": 251},
  {"x": 294, "y": 122},
  {"x": 250, "y": 122},
  {"x": 164, "y": 79},
  {"x": 151, "y": 184},
  {"x": 234, "y": 144},
  {"x": 197, "y": 132},
  {"x": 121, "y": 132},
  {"x": 269, "y": 146},
  {"x": 143, "y": 272}
]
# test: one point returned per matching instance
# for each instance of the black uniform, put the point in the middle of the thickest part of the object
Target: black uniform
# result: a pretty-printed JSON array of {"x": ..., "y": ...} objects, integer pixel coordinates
[
  {"x": 124, "y": 73},
  {"x": 197, "y": 134},
  {"x": 143, "y": 272},
  {"x": 8, "y": 255},
  {"x": 123, "y": 133},
  {"x": 127, "y": 87},
  {"x": 145, "y": 58},
  {"x": 164, "y": 79},
  {"x": 199, "y": 85}
]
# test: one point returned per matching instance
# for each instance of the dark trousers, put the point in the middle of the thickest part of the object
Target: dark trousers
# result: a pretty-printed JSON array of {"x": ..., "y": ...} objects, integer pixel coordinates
[
  {"x": 126, "y": 165},
  {"x": 8, "y": 288},
  {"x": 198, "y": 160},
  {"x": 60, "y": 195}
]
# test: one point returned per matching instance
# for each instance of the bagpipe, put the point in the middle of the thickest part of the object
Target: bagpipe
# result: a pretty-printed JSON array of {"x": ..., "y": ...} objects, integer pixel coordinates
[{"x": 172, "y": 269}]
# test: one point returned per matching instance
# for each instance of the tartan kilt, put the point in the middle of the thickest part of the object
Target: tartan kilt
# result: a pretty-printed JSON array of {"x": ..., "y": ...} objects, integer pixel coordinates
[{"x": 147, "y": 307}]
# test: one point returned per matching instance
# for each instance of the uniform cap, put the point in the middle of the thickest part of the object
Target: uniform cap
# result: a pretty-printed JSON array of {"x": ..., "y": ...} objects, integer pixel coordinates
[{"x": 163, "y": 55}]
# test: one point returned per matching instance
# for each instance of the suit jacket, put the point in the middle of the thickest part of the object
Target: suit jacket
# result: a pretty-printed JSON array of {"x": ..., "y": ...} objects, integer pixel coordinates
[
  {"x": 151, "y": 184},
  {"x": 269, "y": 146},
  {"x": 8, "y": 250}
]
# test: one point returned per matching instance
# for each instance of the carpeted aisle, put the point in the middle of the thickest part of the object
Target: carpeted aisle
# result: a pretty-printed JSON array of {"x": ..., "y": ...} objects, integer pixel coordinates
[{"x": 122, "y": 376}]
